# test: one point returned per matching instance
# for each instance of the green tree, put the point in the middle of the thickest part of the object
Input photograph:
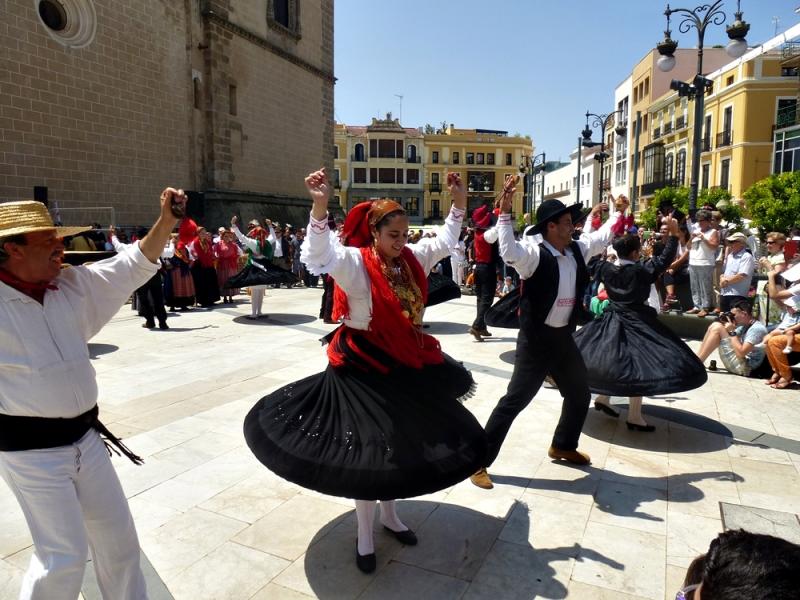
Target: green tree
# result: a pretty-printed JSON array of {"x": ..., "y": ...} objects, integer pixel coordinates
[
  {"x": 774, "y": 202},
  {"x": 678, "y": 196},
  {"x": 731, "y": 212}
]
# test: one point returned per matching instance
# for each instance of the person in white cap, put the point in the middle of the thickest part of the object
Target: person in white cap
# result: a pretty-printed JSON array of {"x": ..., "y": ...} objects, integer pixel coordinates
[
  {"x": 51, "y": 453},
  {"x": 734, "y": 284}
]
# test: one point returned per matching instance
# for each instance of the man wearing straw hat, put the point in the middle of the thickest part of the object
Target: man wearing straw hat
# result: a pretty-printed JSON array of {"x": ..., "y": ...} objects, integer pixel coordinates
[{"x": 51, "y": 453}]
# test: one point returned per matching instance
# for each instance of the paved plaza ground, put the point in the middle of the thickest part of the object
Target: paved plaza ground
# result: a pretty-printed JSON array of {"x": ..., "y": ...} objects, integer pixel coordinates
[{"x": 214, "y": 523}]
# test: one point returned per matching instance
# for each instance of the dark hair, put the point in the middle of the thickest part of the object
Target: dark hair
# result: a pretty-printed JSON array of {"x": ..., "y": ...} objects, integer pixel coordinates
[
  {"x": 627, "y": 245},
  {"x": 740, "y": 564},
  {"x": 384, "y": 220},
  {"x": 18, "y": 239},
  {"x": 744, "y": 306}
]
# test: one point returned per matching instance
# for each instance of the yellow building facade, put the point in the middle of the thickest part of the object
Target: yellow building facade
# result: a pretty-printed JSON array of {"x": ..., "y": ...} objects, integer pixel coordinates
[
  {"x": 739, "y": 118},
  {"x": 481, "y": 157}
]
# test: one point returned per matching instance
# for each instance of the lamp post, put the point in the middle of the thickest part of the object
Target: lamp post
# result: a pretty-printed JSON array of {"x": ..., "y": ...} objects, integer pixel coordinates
[
  {"x": 699, "y": 18},
  {"x": 601, "y": 121},
  {"x": 531, "y": 166}
]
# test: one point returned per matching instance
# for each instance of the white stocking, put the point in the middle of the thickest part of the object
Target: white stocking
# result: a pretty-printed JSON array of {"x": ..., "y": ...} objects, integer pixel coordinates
[
  {"x": 389, "y": 516},
  {"x": 635, "y": 411},
  {"x": 257, "y": 298},
  {"x": 365, "y": 513}
]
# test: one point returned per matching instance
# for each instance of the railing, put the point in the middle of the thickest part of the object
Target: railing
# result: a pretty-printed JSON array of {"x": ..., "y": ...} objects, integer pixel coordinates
[
  {"x": 724, "y": 138},
  {"x": 354, "y": 158},
  {"x": 680, "y": 122},
  {"x": 705, "y": 144},
  {"x": 667, "y": 128},
  {"x": 414, "y": 159},
  {"x": 647, "y": 189},
  {"x": 790, "y": 49},
  {"x": 787, "y": 116},
  {"x": 434, "y": 187},
  {"x": 656, "y": 133}
]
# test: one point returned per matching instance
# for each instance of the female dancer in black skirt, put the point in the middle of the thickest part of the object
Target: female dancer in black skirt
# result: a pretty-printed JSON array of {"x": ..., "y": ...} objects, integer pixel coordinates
[
  {"x": 627, "y": 351},
  {"x": 384, "y": 420}
]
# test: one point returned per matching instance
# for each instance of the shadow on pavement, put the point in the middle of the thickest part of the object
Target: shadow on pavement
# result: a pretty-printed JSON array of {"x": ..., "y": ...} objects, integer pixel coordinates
[
  {"x": 97, "y": 350},
  {"x": 274, "y": 319},
  {"x": 458, "y": 548}
]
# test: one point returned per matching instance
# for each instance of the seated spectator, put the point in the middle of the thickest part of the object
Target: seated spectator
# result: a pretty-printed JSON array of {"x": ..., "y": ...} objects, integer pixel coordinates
[
  {"x": 508, "y": 285},
  {"x": 740, "y": 565},
  {"x": 738, "y": 335},
  {"x": 737, "y": 272},
  {"x": 780, "y": 346}
]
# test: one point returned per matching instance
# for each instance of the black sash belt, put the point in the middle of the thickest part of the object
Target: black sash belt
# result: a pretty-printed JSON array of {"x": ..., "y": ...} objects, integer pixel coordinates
[{"x": 36, "y": 433}]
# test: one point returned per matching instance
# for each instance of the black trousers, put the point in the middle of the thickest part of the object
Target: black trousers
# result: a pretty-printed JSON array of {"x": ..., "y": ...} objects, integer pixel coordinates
[
  {"x": 545, "y": 351},
  {"x": 151, "y": 300},
  {"x": 326, "y": 307},
  {"x": 485, "y": 286}
]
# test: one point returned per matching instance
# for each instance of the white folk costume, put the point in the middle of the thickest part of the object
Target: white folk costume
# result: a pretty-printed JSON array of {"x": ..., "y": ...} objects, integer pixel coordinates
[{"x": 51, "y": 453}]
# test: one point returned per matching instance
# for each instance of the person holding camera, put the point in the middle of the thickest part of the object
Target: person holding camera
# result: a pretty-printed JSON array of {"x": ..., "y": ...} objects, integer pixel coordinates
[{"x": 738, "y": 336}]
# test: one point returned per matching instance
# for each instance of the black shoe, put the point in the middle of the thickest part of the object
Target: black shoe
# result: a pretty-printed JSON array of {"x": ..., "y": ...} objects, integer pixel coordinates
[
  {"x": 367, "y": 563},
  {"x": 606, "y": 409},
  {"x": 149, "y": 325},
  {"x": 644, "y": 428},
  {"x": 712, "y": 365},
  {"x": 163, "y": 325},
  {"x": 406, "y": 537}
]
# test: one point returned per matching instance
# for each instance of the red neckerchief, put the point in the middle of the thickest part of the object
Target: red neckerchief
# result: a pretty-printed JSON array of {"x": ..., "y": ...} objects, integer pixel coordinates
[
  {"x": 33, "y": 290},
  {"x": 389, "y": 329}
]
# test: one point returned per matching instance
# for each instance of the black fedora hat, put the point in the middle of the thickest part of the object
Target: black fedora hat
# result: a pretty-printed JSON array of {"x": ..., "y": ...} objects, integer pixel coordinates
[{"x": 553, "y": 209}]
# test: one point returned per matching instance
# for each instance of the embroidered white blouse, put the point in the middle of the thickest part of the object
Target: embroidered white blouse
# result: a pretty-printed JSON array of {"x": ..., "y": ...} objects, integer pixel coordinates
[
  {"x": 322, "y": 252},
  {"x": 45, "y": 369}
]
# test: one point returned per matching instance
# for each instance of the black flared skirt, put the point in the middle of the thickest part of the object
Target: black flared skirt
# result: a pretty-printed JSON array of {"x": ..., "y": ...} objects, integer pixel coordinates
[
  {"x": 260, "y": 271},
  {"x": 441, "y": 289},
  {"x": 362, "y": 434},
  {"x": 206, "y": 285},
  {"x": 504, "y": 312},
  {"x": 629, "y": 352}
]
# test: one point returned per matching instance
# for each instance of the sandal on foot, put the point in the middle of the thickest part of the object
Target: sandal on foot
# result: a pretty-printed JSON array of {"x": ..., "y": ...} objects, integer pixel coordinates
[{"x": 782, "y": 384}]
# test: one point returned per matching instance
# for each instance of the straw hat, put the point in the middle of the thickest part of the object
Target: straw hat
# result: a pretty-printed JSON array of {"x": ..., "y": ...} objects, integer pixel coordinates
[{"x": 28, "y": 216}]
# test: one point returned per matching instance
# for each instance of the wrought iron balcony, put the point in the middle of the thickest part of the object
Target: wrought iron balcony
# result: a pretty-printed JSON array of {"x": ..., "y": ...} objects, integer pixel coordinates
[
  {"x": 680, "y": 122},
  {"x": 787, "y": 116},
  {"x": 724, "y": 138},
  {"x": 414, "y": 159},
  {"x": 434, "y": 187},
  {"x": 656, "y": 133},
  {"x": 667, "y": 128},
  {"x": 705, "y": 144}
]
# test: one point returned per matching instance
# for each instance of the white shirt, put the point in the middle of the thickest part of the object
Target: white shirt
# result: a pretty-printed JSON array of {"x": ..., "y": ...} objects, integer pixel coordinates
[
  {"x": 248, "y": 242},
  {"x": 524, "y": 257},
  {"x": 322, "y": 252},
  {"x": 277, "y": 247},
  {"x": 45, "y": 369}
]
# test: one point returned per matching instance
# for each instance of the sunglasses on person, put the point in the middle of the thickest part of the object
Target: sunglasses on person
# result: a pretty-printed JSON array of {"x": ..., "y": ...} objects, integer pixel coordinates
[
  {"x": 687, "y": 593},
  {"x": 771, "y": 242}
]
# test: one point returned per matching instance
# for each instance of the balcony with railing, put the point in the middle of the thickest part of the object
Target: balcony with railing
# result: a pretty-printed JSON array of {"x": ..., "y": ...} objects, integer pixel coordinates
[
  {"x": 358, "y": 158},
  {"x": 667, "y": 128},
  {"x": 434, "y": 188},
  {"x": 647, "y": 189},
  {"x": 705, "y": 144},
  {"x": 724, "y": 138},
  {"x": 680, "y": 122},
  {"x": 414, "y": 159},
  {"x": 656, "y": 133}
]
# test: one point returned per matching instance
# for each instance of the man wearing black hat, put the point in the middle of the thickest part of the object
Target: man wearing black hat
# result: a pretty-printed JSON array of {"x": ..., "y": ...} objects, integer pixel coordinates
[{"x": 554, "y": 276}]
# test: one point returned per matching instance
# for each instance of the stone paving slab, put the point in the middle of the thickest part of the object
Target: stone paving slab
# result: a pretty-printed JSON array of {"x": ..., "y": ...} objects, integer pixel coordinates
[{"x": 214, "y": 523}]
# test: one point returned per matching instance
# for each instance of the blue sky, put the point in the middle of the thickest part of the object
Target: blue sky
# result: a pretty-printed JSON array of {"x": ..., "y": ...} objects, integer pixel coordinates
[{"x": 528, "y": 66}]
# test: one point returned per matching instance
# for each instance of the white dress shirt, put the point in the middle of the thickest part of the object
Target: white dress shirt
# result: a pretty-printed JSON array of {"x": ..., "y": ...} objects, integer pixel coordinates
[
  {"x": 45, "y": 369},
  {"x": 524, "y": 257},
  {"x": 322, "y": 252}
]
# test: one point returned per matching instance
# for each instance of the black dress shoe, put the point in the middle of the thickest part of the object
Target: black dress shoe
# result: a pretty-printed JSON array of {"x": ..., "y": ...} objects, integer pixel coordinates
[
  {"x": 406, "y": 537},
  {"x": 636, "y": 427},
  {"x": 148, "y": 325},
  {"x": 366, "y": 563},
  {"x": 606, "y": 409}
]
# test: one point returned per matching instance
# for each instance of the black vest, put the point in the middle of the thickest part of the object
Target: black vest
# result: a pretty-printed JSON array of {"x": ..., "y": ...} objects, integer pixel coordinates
[{"x": 540, "y": 290}]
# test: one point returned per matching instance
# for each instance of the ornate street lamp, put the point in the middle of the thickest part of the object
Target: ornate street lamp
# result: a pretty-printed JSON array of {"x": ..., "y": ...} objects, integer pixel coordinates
[
  {"x": 699, "y": 18},
  {"x": 601, "y": 121},
  {"x": 531, "y": 167}
]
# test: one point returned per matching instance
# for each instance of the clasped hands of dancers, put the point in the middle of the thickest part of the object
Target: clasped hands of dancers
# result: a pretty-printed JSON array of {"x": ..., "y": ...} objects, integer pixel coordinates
[{"x": 384, "y": 420}]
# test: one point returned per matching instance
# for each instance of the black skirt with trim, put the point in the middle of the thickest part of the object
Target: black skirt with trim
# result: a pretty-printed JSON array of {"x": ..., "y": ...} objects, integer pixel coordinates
[
  {"x": 504, "y": 312},
  {"x": 441, "y": 288},
  {"x": 355, "y": 432},
  {"x": 629, "y": 352},
  {"x": 260, "y": 271}
]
